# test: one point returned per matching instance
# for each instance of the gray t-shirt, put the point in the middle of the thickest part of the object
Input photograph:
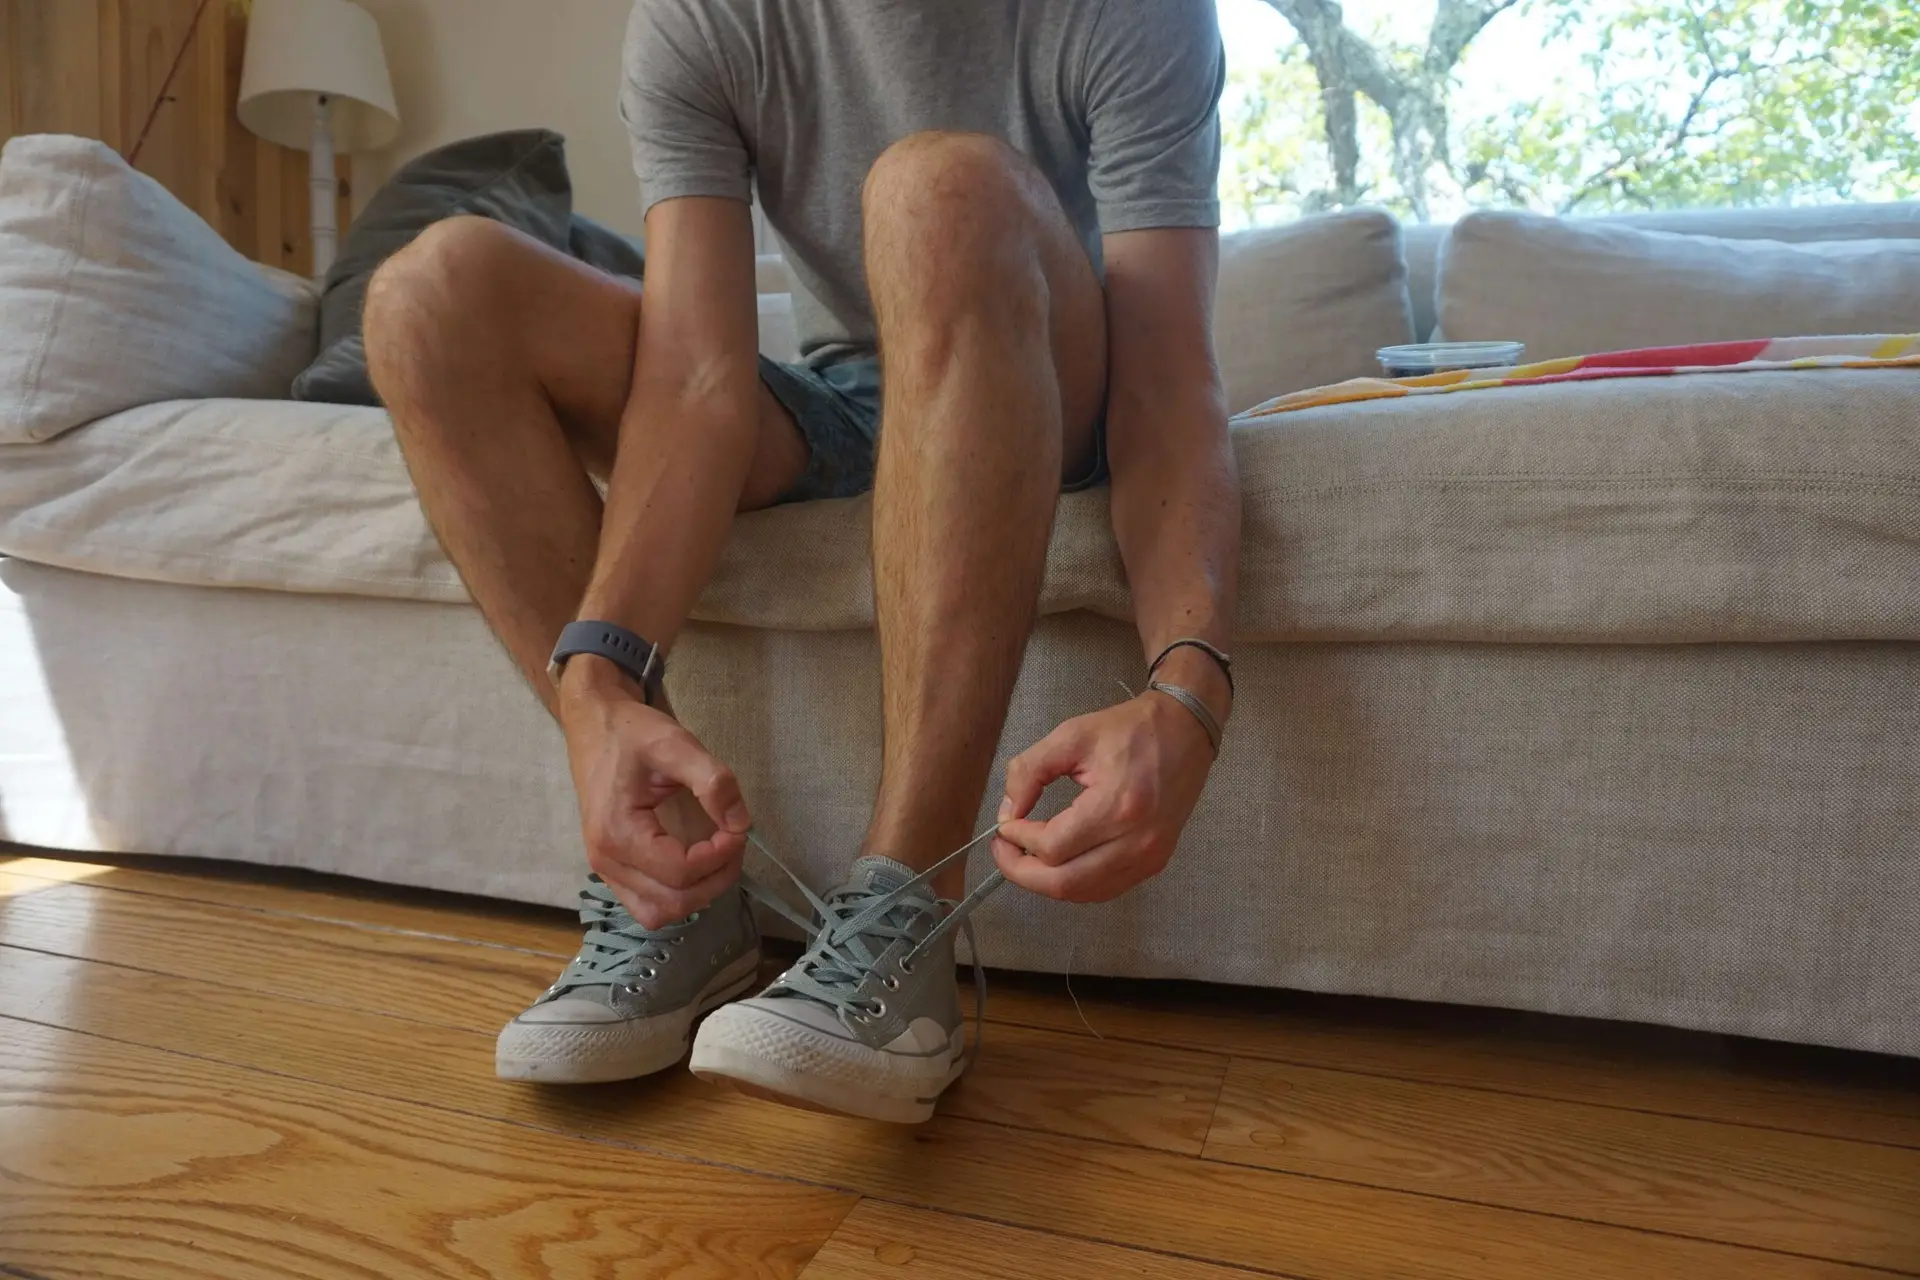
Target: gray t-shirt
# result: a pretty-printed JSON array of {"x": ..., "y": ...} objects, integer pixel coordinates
[{"x": 1116, "y": 101}]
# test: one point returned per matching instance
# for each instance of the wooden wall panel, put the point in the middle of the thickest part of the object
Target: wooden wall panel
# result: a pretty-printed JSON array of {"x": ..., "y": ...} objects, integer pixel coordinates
[
  {"x": 10, "y": 88},
  {"x": 93, "y": 67}
]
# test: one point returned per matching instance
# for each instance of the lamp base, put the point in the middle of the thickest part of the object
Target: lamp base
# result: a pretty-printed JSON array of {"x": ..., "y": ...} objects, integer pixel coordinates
[{"x": 323, "y": 188}]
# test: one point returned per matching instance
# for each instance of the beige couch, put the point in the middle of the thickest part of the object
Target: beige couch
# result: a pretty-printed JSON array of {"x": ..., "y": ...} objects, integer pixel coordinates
[{"x": 1599, "y": 701}]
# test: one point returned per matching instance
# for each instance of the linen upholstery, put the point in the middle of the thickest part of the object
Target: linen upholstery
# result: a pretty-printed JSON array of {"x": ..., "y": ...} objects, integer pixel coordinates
[
  {"x": 1715, "y": 836},
  {"x": 1755, "y": 507},
  {"x": 1895, "y": 220},
  {"x": 1568, "y": 289},
  {"x": 1308, "y": 303},
  {"x": 114, "y": 294},
  {"x": 1588, "y": 701}
]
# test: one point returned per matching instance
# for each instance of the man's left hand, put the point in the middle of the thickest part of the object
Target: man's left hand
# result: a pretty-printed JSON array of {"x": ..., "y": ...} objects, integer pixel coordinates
[{"x": 1142, "y": 764}]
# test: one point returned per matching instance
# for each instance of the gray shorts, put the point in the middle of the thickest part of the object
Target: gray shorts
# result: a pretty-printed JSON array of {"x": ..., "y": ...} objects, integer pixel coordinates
[{"x": 838, "y": 409}]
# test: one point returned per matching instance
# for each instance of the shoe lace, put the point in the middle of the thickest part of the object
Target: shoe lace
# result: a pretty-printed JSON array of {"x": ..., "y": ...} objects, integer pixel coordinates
[
  {"x": 615, "y": 944},
  {"x": 854, "y": 925}
]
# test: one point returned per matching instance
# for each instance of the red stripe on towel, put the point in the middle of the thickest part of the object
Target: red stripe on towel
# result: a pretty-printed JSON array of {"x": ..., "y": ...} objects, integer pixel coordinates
[{"x": 1669, "y": 357}]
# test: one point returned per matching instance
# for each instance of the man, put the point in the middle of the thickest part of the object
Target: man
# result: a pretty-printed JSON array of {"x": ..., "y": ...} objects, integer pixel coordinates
[{"x": 1006, "y": 205}]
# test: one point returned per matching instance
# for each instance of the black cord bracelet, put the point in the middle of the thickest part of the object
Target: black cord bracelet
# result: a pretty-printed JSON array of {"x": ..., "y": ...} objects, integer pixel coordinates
[{"x": 1195, "y": 642}]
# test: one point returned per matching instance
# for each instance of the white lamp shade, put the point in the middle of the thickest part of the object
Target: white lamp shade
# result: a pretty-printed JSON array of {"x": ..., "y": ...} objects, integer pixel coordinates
[{"x": 299, "y": 48}]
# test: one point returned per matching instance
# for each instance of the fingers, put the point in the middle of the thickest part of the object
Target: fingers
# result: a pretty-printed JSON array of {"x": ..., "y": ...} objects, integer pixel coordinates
[
  {"x": 1059, "y": 755},
  {"x": 679, "y": 755},
  {"x": 1104, "y": 872},
  {"x": 655, "y": 906},
  {"x": 658, "y": 880},
  {"x": 1079, "y": 827}
]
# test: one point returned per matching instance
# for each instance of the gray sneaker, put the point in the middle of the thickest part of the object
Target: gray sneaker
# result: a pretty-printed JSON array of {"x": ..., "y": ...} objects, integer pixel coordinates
[
  {"x": 626, "y": 1005},
  {"x": 868, "y": 1021}
]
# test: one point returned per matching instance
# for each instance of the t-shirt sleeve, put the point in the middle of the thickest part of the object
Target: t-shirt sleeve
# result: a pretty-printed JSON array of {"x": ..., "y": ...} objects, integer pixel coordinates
[
  {"x": 1155, "y": 70},
  {"x": 673, "y": 97}
]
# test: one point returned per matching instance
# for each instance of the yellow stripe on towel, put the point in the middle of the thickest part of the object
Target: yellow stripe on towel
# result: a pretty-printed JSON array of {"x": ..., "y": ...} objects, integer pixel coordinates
[
  {"x": 1546, "y": 368},
  {"x": 1898, "y": 345}
]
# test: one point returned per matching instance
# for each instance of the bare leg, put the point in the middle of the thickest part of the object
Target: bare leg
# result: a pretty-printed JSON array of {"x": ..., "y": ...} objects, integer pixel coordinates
[
  {"x": 993, "y": 340},
  {"x": 506, "y": 366}
]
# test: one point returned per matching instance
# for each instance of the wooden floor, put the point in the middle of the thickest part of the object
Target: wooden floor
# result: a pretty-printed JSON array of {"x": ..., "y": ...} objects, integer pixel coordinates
[{"x": 210, "y": 1074}]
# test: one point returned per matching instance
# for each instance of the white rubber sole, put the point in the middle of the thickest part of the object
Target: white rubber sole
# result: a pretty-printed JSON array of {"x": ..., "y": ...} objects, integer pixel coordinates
[
  {"x": 596, "y": 1053},
  {"x": 868, "y": 1083}
]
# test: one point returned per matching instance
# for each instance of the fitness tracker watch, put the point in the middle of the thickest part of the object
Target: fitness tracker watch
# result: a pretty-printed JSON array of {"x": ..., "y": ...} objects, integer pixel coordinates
[{"x": 632, "y": 653}]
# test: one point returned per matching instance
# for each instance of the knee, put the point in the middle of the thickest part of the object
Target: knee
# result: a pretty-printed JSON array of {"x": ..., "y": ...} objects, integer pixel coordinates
[
  {"x": 956, "y": 184},
  {"x": 952, "y": 206},
  {"x": 438, "y": 280}
]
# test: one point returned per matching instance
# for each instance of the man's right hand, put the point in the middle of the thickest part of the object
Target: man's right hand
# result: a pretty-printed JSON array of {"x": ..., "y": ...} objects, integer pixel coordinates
[{"x": 633, "y": 767}]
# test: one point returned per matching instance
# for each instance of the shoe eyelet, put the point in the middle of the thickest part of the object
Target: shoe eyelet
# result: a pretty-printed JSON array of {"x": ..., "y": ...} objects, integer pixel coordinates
[
  {"x": 663, "y": 958},
  {"x": 879, "y": 1008},
  {"x": 890, "y": 983},
  {"x": 648, "y": 975},
  {"x": 906, "y": 968},
  {"x": 676, "y": 939}
]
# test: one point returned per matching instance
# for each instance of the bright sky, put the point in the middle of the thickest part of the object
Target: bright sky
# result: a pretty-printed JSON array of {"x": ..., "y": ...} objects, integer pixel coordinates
[
  {"x": 1509, "y": 61},
  {"x": 1506, "y": 61}
]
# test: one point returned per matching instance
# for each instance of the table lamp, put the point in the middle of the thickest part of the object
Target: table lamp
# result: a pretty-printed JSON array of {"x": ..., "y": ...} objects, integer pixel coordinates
[{"x": 316, "y": 80}]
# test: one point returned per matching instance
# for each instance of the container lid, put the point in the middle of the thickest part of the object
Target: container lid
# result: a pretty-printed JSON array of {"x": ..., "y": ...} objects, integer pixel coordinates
[{"x": 1452, "y": 355}]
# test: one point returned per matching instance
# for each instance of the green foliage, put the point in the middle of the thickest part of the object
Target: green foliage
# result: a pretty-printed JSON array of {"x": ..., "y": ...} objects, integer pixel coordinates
[
  {"x": 1676, "y": 103},
  {"x": 1274, "y": 162}
]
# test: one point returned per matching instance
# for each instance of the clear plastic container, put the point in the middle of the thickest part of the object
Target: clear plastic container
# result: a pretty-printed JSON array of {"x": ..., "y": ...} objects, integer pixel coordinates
[{"x": 1416, "y": 358}]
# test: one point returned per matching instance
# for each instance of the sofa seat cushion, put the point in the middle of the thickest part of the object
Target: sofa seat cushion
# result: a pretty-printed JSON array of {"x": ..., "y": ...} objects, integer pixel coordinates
[
  {"x": 1757, "y": 507},
  {"x": 281, "y": 495}
]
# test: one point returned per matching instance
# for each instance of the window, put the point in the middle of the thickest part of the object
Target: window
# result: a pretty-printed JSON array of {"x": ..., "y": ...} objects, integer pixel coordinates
[{"x": 1433, "y": 107}]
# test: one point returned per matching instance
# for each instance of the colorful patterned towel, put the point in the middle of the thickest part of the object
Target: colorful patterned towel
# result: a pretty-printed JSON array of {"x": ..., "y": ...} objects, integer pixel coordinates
[{"x": 1859, "y": 351}]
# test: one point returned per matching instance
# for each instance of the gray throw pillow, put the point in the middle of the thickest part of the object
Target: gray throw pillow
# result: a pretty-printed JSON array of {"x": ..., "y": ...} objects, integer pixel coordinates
[{"x": 517, "y": 178}]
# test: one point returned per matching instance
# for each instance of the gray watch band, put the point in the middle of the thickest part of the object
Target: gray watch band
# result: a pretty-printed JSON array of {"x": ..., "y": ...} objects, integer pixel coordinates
[{"x": 632, "y": 653}]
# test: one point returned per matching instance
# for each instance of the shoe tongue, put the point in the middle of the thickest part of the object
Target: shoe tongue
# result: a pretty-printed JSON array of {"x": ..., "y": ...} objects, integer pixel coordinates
[{"x": 877, "y": 875}]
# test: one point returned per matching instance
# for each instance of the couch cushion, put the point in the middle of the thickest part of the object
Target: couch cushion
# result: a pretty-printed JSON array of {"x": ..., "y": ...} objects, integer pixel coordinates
[
  {"x": 1308, "y": 303},
  {"x": 280, "y": 495},
  {"x": 1569, "y": 288},
  {"x": 114, "y": 294},
  {"x": 1898, "y": 220},
  {"x": 1753, "y": 506}
]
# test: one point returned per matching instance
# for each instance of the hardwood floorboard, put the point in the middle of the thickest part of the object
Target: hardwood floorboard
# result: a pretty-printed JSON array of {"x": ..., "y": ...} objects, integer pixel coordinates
[
  {"x": 1098, "y": 1191},
  {"x": 880, "y": 1241},
  {"x": 288, "y": 955},
  {"x": 1134, "y": 1093},
  {"x": 1785, "y": 1087},
  {"x": 124, "y": 1163},
  {"x": 1825, "y": 1197},
  {"x": 1628, "y": 1066},
  {"x": 315, "y": 897}
]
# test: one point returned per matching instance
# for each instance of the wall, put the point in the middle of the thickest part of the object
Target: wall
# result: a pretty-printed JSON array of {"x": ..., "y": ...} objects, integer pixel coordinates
[
  {"x": 94, "y": 67},
  {"x": 462, "y": 67}
]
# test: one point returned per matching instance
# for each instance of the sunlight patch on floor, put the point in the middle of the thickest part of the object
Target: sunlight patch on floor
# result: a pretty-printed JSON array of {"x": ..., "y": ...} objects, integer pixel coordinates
[{"x": 28, "y": 875}]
